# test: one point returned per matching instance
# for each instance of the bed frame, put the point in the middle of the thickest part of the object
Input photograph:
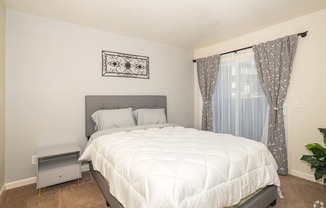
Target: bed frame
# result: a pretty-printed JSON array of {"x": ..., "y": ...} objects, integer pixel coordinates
[{"x": 263, "y": 198}]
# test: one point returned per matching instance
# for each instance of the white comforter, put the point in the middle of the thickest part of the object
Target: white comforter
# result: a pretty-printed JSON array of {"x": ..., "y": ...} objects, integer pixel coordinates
[{"x": 180, "y": 167}]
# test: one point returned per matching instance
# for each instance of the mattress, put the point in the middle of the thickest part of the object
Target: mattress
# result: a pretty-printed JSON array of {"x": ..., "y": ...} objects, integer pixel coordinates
[{"x": 173, "y": 166}]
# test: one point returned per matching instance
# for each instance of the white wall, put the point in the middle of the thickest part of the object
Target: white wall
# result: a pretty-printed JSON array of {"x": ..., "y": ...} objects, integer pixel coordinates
[
  {"x": 2, "y": 96},
  {"x": 52, "y": 65},
  {"x": 307, "y": 82}
]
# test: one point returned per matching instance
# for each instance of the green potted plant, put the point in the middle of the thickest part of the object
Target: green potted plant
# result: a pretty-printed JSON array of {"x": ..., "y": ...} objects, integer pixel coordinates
[{"x": 318, "y": 159}]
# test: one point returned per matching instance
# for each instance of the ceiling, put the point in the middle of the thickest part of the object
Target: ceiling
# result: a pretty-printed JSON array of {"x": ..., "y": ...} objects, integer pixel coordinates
[{"x": 189, "y": 24}]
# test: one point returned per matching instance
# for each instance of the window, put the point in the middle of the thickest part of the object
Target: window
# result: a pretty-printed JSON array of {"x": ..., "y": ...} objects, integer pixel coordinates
[{"x": 239, "y": 104}]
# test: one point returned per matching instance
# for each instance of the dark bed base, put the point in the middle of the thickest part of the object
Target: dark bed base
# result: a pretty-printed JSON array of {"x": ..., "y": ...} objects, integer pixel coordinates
[
  {"x": 104, "y": 187},
  {"x": 264, "y": 198}
]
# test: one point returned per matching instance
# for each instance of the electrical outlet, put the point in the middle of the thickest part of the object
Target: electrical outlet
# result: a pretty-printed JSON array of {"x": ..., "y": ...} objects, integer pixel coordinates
[
  {"x": 297, "y": 103},
  {"x": 34, "y": 159}
]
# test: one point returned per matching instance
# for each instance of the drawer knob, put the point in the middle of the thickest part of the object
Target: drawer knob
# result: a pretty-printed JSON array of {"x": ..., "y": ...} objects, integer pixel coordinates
[{"x": 60, "y": 175}]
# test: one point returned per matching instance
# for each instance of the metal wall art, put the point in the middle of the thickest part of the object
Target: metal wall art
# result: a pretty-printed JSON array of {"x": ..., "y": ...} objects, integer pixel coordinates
[{"x": 116, "y": 64}]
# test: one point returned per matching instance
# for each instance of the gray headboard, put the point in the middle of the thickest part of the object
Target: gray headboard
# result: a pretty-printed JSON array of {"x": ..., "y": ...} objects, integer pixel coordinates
[{"x": 100, "y": 102}]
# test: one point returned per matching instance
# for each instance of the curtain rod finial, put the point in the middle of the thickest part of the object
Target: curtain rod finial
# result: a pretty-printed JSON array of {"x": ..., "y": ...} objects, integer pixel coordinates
[{"x": 304, "y": 34}]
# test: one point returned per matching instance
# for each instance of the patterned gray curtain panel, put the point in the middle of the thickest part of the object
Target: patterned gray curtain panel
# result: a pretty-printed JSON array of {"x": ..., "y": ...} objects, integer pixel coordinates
[
  {"x": 207, "y": 69},
  {"x": 274, "y": 60}
]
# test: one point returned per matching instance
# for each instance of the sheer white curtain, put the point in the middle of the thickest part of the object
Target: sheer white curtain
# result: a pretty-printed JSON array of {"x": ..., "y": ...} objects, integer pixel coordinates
[{"x": 239, "y": 104}]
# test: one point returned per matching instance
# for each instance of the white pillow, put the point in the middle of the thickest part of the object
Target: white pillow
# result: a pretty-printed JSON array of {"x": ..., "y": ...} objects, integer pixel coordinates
[
  {"x": 115, "y": 118},
  {"x": 150, "y": 116}
]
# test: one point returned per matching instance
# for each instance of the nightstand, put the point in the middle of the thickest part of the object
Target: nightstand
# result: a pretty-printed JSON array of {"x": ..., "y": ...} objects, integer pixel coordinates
[{"x": 57, "y": 165}]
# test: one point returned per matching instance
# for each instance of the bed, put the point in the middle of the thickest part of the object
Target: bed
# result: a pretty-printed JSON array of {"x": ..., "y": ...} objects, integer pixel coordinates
[{"x": 264, "y": 196}]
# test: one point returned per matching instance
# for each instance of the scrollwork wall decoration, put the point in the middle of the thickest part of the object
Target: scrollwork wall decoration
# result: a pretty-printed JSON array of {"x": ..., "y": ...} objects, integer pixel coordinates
[{"x": 115, "y": 64}]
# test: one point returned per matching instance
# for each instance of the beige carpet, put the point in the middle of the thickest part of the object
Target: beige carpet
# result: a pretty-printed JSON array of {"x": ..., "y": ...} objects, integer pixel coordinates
[
  {"x": 67, "y": 195},
  {"x": 298, "y": 193}
]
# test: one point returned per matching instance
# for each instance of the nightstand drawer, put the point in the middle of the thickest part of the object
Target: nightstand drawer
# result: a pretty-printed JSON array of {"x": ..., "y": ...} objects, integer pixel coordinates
[{"x": 58, "y": 175}]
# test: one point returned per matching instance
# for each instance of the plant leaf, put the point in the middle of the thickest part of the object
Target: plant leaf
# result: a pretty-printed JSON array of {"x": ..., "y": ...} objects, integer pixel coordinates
[
  {"x": 319, "y": 173},
  {"x": 318, "y": 159},
  {"x": 323, "y": 131},
  {"x": 311, "y": 160},
  {"x": 317, "y": 146},
  {"x": 318, "y": 150}
]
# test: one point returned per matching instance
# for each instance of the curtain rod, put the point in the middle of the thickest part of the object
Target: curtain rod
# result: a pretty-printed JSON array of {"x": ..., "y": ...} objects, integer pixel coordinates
[{"x": 303, "y": 34}]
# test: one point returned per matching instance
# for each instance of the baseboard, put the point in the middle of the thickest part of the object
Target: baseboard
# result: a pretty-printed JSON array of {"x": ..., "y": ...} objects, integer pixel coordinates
[
  {"x": 85, "y": 167},
  {"x": 2, "y": 189},
  {"x": 28, "y": 181},
  {"x": 20, "y": 183},
  {"x": 306, "y": 176}
]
